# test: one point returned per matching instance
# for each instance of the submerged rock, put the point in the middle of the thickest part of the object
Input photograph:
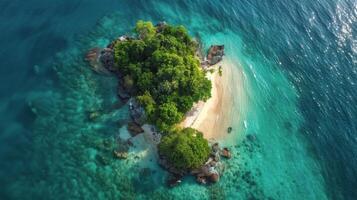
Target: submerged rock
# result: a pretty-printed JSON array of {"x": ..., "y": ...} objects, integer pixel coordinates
[
  {"x": 251, "y": 137},
  {"x": 214, "y": 177},
  {"x": 226, "y": 153},
  {"x": 120, "y": 154},
  {"x": 93, "y": 57},
  {"x": 144, "y": 182},
  {"x": 174, "y": 180},
  {"x": 93, "y": 115},
  {"x": 166, "y": 165},
  {"x": 134, "y": 129},
  {"x": 201, "y": 179},
  {"x": 122, "y": 94}
]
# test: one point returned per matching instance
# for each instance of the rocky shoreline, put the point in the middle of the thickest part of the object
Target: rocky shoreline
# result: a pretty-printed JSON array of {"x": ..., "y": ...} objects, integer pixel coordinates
[
  {"x": 102, "y": 62},
  {"x": 208, "y": 173}
]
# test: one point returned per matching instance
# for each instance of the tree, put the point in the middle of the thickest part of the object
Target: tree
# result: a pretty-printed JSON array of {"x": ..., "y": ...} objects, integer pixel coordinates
[
  {"x": 148, "y": 103},
  {"x": 145, "y": 29},
  {"x": 185, "y": 103},
  {"x": 128, "y": 82},
  {"x": 145, "y": 81},
  {"x": 168, "y": 115},
  {"x": 185, "y": 149}
]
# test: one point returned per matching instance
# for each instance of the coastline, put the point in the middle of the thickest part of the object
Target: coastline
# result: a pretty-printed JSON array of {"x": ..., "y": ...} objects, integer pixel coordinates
[{"x": 214, "y": 116}]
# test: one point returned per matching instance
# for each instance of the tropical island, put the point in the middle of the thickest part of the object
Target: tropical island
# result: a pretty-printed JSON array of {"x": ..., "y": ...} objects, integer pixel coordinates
[{"x": 163, "y": 76}]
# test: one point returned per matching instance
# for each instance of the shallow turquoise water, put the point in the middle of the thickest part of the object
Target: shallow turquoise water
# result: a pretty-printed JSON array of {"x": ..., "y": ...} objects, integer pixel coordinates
[{"x": 297, "y": 61}]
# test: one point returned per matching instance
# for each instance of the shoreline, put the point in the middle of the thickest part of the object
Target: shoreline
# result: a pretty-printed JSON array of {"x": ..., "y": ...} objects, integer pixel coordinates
[{"x": 214, "y": 116}]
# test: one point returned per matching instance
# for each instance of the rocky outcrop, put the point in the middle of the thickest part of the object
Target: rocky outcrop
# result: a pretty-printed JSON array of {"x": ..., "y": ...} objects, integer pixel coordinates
[
  {"x": 107, "y": 59},
  {"x": 93, "y": 58},
  {"x": 137, "y": 113},
  {"x": 167, "y": 166},
  {"x": 211, "y": 171},
  {"x": 214, "y": 177},
  {"x": 125, "y": 87},
  {"x": 160, "y": 26},
  {"x": 206, "y": 174},
  {"x": 251, "y": 137},
  {"x": 121, "y": 149},
  {"x": 120, "y": 154},
  {"x": 226, "y": 153},
  {"x": 174, "y": 180},
  {"x": 122, "y": 93},
  {"x": 134, "y": 129},
  {"x": 215, "y": 54},
  {"x": 201, "y": 179}
]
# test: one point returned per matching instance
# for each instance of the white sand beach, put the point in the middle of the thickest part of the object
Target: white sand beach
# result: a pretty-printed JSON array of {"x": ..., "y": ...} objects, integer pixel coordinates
[{"x": 214, "y": 116}]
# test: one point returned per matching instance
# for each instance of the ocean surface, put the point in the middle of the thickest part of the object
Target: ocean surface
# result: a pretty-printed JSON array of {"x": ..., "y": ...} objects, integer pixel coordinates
[{"x": 295, "y": 138}]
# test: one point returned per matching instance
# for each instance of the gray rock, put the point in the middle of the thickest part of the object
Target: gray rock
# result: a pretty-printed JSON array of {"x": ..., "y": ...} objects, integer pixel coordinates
[
  {"x": 134, "y": 129},
  {"x": 215, "y": 54},
  {"x": 107, "y": 59}
]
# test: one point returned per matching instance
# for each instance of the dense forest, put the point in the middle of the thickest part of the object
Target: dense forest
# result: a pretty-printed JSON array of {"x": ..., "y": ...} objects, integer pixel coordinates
[{"x": 160, "y": 68}]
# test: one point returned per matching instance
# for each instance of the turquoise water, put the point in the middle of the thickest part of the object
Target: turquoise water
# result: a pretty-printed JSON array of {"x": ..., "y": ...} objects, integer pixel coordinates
[{"x": 293, "y": 137}]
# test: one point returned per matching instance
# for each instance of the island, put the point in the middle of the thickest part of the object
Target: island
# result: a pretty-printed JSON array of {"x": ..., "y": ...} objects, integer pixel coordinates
[{"x": 164, "y": 76}]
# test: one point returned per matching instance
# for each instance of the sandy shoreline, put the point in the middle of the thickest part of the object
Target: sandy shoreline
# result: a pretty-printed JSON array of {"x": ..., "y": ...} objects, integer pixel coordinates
[{"x": 214, "y": 116}]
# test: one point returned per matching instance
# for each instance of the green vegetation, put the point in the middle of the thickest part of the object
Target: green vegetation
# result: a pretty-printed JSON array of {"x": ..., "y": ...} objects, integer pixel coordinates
[
  {"x": 220, "y": 70},
  {"x": 162, "y": 71},
  {"x": 185, "y": 149}
]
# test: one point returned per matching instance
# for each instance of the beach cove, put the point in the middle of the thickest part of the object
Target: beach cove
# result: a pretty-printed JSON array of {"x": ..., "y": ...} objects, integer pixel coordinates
[
  {"x": 162, "y": 75},
  {"x": 214, "y": 116},
  {"x": 291, "y": 113}
]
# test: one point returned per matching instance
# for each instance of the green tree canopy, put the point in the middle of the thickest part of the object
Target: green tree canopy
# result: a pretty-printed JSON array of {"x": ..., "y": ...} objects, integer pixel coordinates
[
  {"x": 185, "y": 149},
  {"x": 161, "y": 64},
  {"x": 168, "y": 115},
  {"x": 145, "y": 29}
]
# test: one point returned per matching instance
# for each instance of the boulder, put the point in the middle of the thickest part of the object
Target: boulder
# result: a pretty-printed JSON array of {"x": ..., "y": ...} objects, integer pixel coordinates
[
  {"x": 216, "y": 157},
  {"x": 166, "y": 165},
  {"x": 111, "y": 45},
  {"x": 226, "y": 153},
  {"x": 213, "y": 163},
  {"x": 107, "y": 59},
  {"x": 160, "y": 26},
  {"x": 122, "y": 94},
  {"x": 93, "y": 58},
  {"x": 120, "y": 154},
  {"x": 215, "y": 147},
  {"x": 137, "y": 113},
  {"x": 201, "y": 179},
  {"x": 92, "y": 55},
  {"x": 215, "y": 54},
  {"x": 173, "y": 180},
  {"x": 134, "y": 129},
  {"x": 251, "y": 137},
  {"x": 214, "y": 177}
]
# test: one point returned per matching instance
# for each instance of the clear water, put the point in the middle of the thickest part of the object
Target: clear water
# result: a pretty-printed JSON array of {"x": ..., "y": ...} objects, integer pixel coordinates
[{"x": 298, "y": 61}]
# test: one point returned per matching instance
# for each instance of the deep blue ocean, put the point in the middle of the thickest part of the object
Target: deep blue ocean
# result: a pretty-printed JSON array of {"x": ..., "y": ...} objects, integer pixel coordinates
[{"x": 299, "y": 60}]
